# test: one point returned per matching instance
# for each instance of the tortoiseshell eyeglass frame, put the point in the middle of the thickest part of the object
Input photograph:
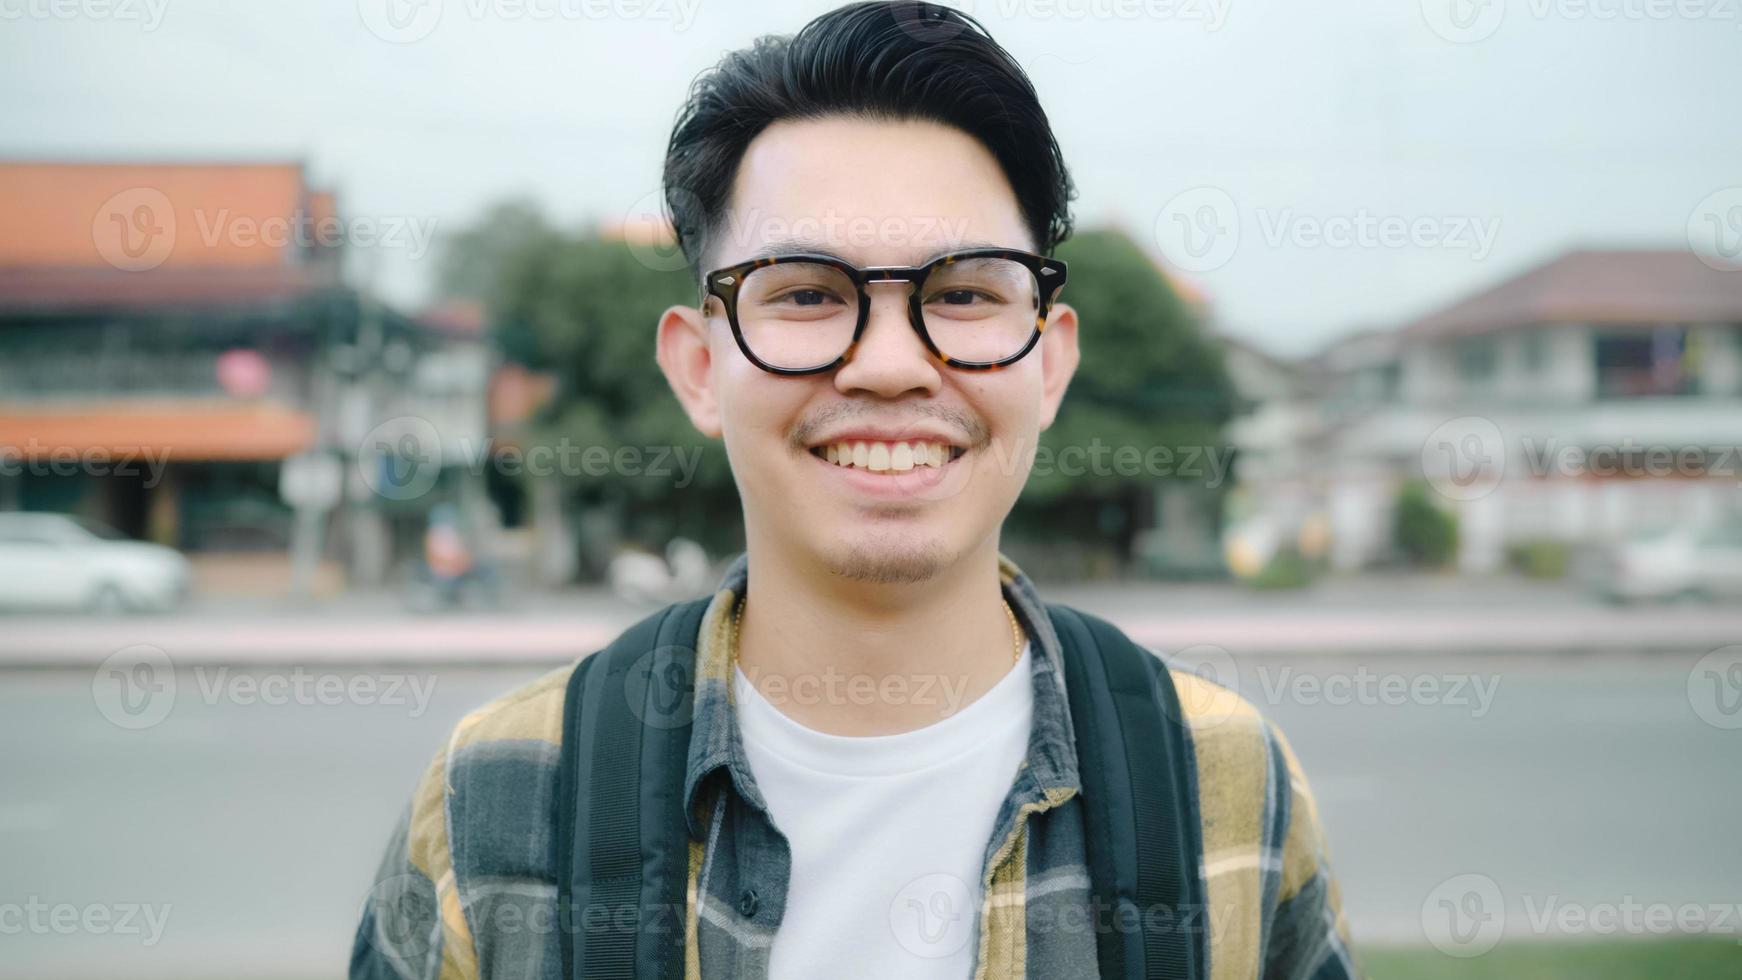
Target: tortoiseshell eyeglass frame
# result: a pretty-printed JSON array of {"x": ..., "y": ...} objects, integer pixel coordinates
[{"x": 1049, "y": 276}]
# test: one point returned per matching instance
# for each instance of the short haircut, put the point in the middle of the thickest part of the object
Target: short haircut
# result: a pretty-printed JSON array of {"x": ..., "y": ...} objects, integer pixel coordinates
[{"x": 890, "y": 59}]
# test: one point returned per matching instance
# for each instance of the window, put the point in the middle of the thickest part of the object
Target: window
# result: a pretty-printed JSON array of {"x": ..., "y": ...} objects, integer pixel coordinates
[
  {"x": 1476, "y": 361},
  {"x": 1533, "y": 353},
  {"x": 1644, "y": 363}
]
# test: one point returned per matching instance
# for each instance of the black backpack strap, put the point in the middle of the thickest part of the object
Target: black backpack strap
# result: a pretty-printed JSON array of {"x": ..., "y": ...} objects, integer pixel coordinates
[
  {"x": 1139, "y": 803},
  {"x": 622, "y": 843}
]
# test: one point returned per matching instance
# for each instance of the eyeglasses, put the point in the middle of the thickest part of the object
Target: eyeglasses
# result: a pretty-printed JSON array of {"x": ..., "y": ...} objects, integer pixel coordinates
[{"x": 976, "y": 310}]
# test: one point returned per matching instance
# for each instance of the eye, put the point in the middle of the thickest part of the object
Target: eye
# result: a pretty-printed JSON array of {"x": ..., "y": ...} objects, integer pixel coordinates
[
  {"x": 808, "y": 297},
  {"x": 959, "y": 296}
]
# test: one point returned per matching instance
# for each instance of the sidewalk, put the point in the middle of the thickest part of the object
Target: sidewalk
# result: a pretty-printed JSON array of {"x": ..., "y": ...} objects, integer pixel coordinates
[{"x": 1364, "y": 617}]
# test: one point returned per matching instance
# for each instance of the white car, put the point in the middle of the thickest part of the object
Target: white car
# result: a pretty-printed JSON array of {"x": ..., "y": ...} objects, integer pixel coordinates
[
  {"x": 1680, "y": 563},
  {"x": 56, "y": 561}
]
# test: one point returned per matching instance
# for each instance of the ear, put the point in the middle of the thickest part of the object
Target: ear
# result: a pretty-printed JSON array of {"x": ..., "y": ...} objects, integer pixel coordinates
[
  {"x": 1058, "y": 359},
  {"x": 682, "y": 350}
]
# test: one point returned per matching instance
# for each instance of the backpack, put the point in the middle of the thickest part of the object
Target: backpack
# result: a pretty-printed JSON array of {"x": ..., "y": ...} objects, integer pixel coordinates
[{"x": 622, "y": 839}]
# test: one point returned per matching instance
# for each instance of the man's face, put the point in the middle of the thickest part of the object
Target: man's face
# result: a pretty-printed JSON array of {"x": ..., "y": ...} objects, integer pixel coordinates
[{"x": 872, "y": 193}]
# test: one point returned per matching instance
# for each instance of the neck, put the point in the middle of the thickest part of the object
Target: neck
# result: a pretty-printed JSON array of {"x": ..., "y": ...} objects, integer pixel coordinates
[{"x": 857, "y": 658}]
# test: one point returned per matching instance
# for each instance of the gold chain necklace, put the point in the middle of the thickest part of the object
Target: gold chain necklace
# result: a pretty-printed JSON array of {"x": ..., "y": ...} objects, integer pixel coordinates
[{"x": 1015, "y": 632}]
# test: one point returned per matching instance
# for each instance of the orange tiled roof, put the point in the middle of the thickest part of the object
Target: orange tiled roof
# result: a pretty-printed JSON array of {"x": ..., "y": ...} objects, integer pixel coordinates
[
  {"x": 1597, "y": 286},
  {"x": 135, "y": 216}
]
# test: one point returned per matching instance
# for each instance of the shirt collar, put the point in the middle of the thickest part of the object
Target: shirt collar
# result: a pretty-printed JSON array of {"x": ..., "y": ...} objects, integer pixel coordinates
[{"x": 716, "y": 745}]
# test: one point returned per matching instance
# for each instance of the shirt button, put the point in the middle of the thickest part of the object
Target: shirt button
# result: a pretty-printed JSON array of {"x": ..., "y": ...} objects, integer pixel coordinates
[{"x": 747, "y": 903}]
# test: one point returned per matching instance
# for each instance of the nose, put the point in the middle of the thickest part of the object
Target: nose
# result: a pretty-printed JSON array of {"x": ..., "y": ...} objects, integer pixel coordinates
[{"x": 889, "y": 360}]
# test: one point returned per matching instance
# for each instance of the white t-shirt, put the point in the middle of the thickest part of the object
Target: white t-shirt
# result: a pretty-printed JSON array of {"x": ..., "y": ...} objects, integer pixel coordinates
[{"x": 888, "y": 833}]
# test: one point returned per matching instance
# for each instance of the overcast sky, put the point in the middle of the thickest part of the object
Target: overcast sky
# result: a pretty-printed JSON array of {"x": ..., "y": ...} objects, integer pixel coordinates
[{"x": 1321, "y": 167}]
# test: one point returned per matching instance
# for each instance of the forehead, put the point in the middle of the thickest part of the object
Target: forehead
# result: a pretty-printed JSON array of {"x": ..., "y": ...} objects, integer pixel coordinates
[{"x": 875, "y": 192}]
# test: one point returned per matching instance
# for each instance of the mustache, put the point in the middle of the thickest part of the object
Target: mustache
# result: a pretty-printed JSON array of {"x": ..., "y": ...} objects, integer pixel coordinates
[{"x": 805, "y": 432}]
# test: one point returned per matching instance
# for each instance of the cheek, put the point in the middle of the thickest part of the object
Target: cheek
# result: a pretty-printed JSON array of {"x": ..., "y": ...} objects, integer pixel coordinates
[
  {"x": 757, "y": 409},
  {"x": 1009, "y": 404}
]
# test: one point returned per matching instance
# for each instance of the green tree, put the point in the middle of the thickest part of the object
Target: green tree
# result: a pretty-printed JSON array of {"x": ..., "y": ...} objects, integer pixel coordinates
[
  {"x": 1424, "y": 534},
  {"x": 1149, "y": 378},
  {"x": 471, "y": 261},
  {"x": 585, "y": 309}
]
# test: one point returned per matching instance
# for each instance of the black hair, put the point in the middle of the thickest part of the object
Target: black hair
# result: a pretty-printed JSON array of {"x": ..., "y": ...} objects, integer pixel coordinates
[{"x": 888, "y": 59}]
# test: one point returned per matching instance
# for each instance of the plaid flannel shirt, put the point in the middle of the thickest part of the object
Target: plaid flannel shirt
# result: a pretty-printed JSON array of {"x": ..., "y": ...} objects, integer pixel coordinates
[{"x": 468, "y": 884}]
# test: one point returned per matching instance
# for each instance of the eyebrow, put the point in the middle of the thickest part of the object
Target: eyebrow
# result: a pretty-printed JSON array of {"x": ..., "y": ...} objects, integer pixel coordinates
[{"x": 794, "y": 246}]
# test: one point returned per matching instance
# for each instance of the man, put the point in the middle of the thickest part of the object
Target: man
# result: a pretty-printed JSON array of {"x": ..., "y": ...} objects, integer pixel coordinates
[{"x": 883, "y": 778}]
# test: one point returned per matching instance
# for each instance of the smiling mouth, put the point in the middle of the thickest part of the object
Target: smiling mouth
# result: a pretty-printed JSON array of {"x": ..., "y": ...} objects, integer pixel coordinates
[{"x": 888, "y": 457}]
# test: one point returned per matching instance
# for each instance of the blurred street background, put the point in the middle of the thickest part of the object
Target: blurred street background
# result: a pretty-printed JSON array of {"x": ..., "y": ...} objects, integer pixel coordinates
[{"x": 1410, "y": 405}]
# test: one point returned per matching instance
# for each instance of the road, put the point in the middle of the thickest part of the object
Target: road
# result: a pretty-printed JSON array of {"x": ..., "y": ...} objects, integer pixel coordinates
[
  {"x": 1366, "y": 616},
  {"x": 252, "y": 828}
]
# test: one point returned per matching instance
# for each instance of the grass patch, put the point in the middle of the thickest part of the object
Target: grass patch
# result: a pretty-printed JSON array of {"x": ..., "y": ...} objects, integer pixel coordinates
[{"x": 1692, "y": 958}]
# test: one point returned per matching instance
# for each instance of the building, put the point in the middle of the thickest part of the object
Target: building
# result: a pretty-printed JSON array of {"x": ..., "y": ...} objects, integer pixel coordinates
[
  {"x": 1586, "y": 399},
  {"x": 178, "y": 342}
]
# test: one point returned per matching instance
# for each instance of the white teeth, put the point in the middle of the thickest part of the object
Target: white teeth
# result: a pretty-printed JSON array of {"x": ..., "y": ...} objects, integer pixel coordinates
[{"x": 884, "y": 457}]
